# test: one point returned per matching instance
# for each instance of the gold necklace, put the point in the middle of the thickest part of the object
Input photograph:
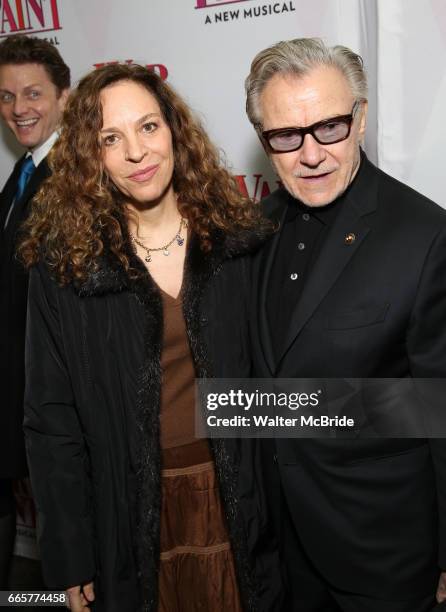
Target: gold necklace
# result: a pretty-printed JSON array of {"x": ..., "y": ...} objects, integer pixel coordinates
[{"x": 178, "y": 238}]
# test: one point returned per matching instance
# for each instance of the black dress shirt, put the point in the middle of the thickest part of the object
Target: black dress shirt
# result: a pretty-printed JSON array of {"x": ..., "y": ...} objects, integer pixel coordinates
[{"x": 302, "y": 235}]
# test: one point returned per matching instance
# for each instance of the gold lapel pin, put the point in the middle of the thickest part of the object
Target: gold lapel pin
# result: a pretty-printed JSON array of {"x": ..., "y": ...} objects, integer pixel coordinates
[{"x": 349, "y": 238}]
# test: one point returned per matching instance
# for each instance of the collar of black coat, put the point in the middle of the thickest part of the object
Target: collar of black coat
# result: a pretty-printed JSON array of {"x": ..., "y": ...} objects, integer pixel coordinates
[
  {"x": 325, "y": 214},
  {"x": 109, "y": 276}
]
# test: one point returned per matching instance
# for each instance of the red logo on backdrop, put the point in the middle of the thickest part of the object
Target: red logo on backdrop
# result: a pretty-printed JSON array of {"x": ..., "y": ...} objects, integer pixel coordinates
[
  {"x": 28, "y": 16},
  {"x": 261, "y": 188},
  {"x": 245, "y": 12},
  {"x": 210, "y": 3},
  {"x": 160, "y": 69}
]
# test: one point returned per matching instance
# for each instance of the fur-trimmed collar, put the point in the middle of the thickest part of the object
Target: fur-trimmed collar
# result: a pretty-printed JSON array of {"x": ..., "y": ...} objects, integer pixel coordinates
[
  {"x": 109, "y": 276},
  {"x": 199, "y": 270}
]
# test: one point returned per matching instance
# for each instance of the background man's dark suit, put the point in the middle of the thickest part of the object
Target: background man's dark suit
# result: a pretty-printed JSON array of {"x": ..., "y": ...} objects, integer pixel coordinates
[
  {"x": 370, "y": 514},
  {"x": 13, "y": 298},
  {"x": 34, "y": 86}
]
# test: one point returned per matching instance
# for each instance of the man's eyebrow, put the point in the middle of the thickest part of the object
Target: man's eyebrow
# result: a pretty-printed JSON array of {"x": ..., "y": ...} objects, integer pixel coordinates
[
  {"x": 28, "y": 87},
  {"x": 140, "y": 121}
]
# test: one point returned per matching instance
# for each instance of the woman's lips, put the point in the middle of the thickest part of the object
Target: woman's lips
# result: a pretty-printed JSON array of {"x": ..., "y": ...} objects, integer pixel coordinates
[{"x": 144, "y": 174}]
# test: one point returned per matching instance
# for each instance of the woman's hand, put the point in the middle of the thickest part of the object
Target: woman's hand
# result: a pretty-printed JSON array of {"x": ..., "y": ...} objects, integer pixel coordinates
[
  {"x": 441, "y": 590},
  {"x": 80, "y": 597}
]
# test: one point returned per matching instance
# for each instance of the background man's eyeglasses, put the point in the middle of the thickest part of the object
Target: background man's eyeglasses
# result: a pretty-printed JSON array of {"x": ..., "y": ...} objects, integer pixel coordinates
[{"x": 328, "y": 131}]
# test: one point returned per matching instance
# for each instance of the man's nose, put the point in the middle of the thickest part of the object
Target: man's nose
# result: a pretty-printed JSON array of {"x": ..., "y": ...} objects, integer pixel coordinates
[
  {"x": 20, "y": 105},
  {"x": 312, "y": 153}
]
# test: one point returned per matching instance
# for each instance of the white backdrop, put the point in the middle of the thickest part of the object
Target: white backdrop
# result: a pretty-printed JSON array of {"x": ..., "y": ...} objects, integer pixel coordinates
[{"x": 205, "y": 47}]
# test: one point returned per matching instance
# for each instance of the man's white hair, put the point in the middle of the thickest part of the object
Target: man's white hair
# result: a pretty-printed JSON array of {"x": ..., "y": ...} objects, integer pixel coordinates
[{"x": 298, "y": 57}]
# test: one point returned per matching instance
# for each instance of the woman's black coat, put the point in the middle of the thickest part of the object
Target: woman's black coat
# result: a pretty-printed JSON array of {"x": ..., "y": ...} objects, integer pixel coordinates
[{"x": 92, "y": 424}]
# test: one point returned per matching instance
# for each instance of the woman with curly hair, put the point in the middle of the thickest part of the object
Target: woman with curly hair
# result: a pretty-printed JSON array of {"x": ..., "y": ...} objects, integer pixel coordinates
[{"x": 139, "y": 246}]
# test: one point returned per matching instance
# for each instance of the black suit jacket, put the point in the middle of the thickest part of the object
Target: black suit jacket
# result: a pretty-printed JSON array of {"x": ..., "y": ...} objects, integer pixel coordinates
[
  {"x": 370, "y": 513},
  {"x": 13, "y": 298}
]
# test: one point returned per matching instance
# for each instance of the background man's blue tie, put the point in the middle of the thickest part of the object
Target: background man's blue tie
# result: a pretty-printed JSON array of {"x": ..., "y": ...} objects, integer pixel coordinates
[{"x": 26, "y": 171}]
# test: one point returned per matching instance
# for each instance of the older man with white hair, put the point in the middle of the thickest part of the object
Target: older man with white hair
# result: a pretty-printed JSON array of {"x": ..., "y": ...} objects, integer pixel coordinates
[{"x": 353, "y": 285}]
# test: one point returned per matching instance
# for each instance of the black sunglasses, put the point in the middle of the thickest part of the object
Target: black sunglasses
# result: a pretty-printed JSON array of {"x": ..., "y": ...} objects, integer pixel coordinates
[{"x": 328, "y": 131}]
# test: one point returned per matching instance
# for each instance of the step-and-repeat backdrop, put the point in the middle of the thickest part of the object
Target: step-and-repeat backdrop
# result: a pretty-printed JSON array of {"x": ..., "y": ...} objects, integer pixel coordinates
[{"x": 204, "y": 48}]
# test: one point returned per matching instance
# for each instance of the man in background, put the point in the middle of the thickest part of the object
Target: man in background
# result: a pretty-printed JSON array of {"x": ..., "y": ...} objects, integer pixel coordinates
[
  {"x": 34, "y": 85},
  {"x": 353, "y": 285}
]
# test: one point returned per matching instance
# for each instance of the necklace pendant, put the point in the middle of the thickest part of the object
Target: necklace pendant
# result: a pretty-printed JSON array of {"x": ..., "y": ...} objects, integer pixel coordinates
[
  {"x": 179, "y": 239},
  {"x": 166, "y": 252},
  {"x": 148, "y": 259}
]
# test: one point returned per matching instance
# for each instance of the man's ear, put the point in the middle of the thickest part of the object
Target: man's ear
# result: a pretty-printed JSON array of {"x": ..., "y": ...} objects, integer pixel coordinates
[
  {"x": 363, "y": 120},
  {"x": 64, "y": 97}
]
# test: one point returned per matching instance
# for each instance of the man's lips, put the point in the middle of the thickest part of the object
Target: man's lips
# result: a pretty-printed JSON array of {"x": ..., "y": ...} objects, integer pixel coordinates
[
  {"x": 316, "y": 177},
  {"x": 144, "y": 174},
  {"x": 26, "y": 123}
]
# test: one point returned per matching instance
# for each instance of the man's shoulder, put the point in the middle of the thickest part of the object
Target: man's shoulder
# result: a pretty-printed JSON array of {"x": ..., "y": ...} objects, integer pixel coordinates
[{"x": 403, "y": 200}]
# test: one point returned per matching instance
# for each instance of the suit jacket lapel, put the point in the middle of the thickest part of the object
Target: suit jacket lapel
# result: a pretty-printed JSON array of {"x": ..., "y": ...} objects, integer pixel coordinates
[
  {"x": 38, "y": 176},
  {"x": 336, "y": 251},
  {"x": 18, "y": 212},
  {"x": 8, "y": 192},
  {"x": 264, "y": 267}
]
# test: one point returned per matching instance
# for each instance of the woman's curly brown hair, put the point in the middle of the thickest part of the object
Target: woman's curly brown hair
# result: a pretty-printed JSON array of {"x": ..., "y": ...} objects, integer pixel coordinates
[{"x": 78, "y": 210}]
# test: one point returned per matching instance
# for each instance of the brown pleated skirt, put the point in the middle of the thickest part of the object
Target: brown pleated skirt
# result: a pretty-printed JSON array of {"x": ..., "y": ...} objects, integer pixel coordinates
[{"x": 196, "y": 565}]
